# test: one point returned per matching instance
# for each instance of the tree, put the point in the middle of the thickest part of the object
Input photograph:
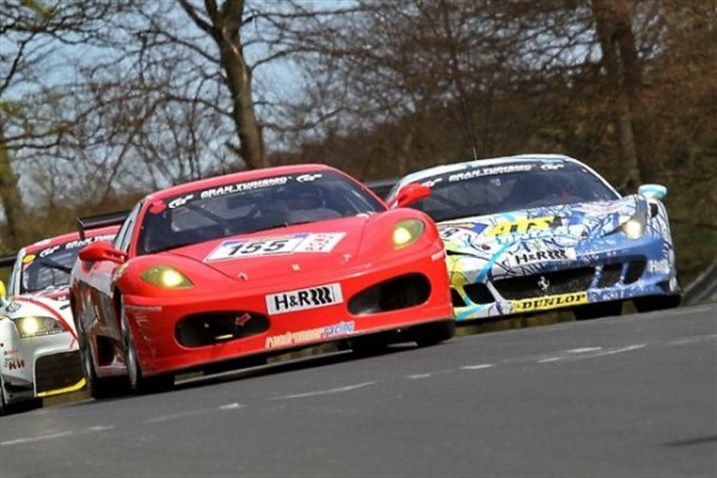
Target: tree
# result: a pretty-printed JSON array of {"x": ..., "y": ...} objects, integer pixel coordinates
[
  {"x": 455, "y": 79},
  {"x": 613, "y": 23},
  {"x": 32, "y": 32},
  {"x": 223, "y": 25}
]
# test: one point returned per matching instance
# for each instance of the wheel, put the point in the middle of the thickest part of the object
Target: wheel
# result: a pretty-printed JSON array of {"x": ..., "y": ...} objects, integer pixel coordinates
[
  {"x": 434, "y": 333},
  {"x": 137, "y": 381},
  {"x": 597, "y": 310},
  {"x": 3, "y": 405},
  {"x": 99, "y": 388},
  {"x": 370, "y": 344},
  {"x": 657, "y": 302}
]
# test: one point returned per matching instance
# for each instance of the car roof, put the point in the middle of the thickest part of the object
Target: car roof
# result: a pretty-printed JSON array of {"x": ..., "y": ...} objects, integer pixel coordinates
[
  {"x": 232, "y": 178},
  {"x": 65, "y": 238},
  {"x": 477, "y": 163}
]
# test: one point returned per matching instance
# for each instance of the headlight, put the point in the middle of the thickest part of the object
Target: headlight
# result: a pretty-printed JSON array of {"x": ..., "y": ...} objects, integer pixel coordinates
[
  {"x": 38, "y": 326},
  {"x": 407, "y": 232},
  {"x": 166, "y": 277},
  {"x": 634, "y": 228}
]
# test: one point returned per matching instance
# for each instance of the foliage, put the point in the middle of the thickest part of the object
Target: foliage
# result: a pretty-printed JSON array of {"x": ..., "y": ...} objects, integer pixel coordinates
[{"x": 102, "y": 101}]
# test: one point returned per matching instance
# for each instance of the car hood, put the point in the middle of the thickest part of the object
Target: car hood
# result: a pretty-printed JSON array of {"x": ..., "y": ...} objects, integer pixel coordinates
[
  {"x": 269, "y": 254},
  {"x": 564, "y": 225}
]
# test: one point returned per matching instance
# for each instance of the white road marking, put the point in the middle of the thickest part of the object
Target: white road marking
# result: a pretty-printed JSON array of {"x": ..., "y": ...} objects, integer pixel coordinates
[
  {"x": 477, "y": 367},
  {"x": 417, "y": 376},
  {"x": 620, "y": 350},
  {"x": 175, "y": 416},
  {"x": 693, "y": 340},
  {"x": 589, "y": 352},
  {"x": 100, "y": 428},
  {"x": 51, "y": 436},
  {"x": 348, "y": 388},
  {"x": 565, "y": 354},
  {"x": 551, "y": 359},
  {"x": 192, "y": 413}
]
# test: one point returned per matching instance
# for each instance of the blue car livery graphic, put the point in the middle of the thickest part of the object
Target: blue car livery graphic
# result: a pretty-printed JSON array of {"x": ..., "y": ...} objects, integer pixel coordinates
[{"x": 538, "y": 232}]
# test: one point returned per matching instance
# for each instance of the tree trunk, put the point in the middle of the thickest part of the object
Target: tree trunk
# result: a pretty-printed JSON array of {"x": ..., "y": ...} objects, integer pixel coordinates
[
  {"x": 613, "y": 26},
  {"x": 633, "y": 87},
  {"x": 239, "y": 77},
  {"x": 10, "y": 196},
  {"x": 404, "y": 154}
]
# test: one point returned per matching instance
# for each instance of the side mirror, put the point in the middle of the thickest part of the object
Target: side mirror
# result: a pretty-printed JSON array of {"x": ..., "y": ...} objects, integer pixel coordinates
[
  {"x": 409, "y": 194},
  {"x": 652, "y": 191},
  {"x": 102, "y": 251},
  {"x": 3, "y": 294}
]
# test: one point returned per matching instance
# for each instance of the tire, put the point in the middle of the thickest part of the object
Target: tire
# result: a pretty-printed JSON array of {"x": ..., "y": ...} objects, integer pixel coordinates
[
  {"x": 434, "y": 333},
  {"x": 597, "y": 310},
  {"x": 138, "y": 383},
  {"x": 368, "y": 345},
  {"x": 657, "y": 302},
  {"x": 3, "y": 405},
  {"x": 99, "y": 388}
]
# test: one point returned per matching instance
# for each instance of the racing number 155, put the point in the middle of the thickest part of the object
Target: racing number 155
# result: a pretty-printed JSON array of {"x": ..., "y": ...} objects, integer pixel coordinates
[{"x": 274, "y": 246}]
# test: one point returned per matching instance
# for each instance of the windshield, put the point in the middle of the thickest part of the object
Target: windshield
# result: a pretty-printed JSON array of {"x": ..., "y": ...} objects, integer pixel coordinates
[
  {"x": 257, "y": 205},
  {"x": 511, "y": 187},
  {"x": 49, "y": 268}
]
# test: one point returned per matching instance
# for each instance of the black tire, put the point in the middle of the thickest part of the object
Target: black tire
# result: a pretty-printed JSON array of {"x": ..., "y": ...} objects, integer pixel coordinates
[
  {"x": 434, "y": 333},
  {"x": 368, "y": 345},
  {"x": 99, "y": 388},
  {"x": 3, "y": 405},
  {"x": 657, "y": 302},
  {"x": 597, "y": 310},
  {"x": 139, "y": 383}
]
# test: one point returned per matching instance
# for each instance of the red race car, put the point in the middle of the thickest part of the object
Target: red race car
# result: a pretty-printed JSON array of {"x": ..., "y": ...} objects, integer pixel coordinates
[{"x": 254, "y": 264}]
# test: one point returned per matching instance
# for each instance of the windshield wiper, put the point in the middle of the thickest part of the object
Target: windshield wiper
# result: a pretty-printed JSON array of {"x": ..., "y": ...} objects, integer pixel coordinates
[
  {"x": 175, "y": 246},
  {"x": 55, "y": 265},
  {"x": 279, "y": 225}
]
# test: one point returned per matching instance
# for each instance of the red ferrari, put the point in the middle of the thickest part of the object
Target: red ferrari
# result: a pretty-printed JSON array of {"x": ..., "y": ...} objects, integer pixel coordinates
[{"x": 254, "y": 264}]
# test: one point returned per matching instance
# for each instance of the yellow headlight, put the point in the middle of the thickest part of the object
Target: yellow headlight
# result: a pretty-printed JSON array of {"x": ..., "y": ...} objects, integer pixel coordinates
[
  {"x": 29, "y": 325},
  {"x": 165, "y": 276},
  {"x": 407, "y": 232},
  {"x": 35, "y": 326},
  {"x": 633, "y": 229}
]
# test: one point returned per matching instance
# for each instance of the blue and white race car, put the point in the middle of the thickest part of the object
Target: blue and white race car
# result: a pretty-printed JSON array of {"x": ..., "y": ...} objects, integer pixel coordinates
[{"x": 530, "y": 233}]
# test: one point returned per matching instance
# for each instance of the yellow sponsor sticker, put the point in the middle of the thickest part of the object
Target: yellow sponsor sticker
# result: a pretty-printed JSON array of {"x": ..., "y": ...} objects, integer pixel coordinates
[
  {"x": 521, "y": 226},
  {"x": 550, "y": 302},
  {"x": 28, "y": 259}
]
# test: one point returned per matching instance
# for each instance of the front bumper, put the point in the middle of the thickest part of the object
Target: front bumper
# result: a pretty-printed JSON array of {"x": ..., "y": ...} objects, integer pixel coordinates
[
  {"x": 154, "y": 321},
  {"x": 645, "y": 267},
  {"x": 39, "y": 367}
]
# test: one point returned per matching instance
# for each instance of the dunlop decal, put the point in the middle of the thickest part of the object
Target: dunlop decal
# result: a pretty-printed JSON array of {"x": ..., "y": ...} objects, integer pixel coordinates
[{"x": 550, "y": 302}]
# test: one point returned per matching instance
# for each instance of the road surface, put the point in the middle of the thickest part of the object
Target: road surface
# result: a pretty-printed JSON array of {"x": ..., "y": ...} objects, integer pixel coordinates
[{"x": 625, "y": 396}]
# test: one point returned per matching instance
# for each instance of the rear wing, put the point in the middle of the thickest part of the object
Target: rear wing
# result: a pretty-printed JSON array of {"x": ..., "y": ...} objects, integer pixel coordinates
[
  {"x": 8, "y": 261},
  {"x": 381, "y": 187},
  {"x": 100, "y": 220}
]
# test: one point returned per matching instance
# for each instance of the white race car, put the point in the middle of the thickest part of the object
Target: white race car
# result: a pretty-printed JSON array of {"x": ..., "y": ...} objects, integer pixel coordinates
[{"x": 39, "y": 354}]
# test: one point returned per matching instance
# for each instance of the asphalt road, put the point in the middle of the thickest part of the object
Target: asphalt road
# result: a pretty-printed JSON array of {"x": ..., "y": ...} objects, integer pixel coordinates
[{"x": 627, "y": 396}]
